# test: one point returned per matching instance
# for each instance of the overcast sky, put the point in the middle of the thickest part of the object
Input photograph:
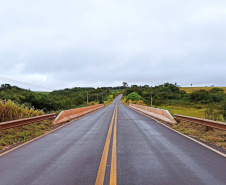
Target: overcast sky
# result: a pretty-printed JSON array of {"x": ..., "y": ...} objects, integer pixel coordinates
[{"x": 68, "y": 43}]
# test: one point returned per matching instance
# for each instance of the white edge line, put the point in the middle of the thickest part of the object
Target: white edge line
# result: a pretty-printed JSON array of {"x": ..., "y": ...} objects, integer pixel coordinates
[{"x": 214, "y": 150}]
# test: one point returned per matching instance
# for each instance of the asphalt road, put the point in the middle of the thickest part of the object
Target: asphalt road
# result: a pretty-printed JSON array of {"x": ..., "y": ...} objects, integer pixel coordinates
[{"x": 114, "y": 144}]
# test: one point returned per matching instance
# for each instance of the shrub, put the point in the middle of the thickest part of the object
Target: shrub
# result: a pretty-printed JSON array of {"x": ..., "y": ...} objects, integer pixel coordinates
[
  {"x": 212, "y": 114},
  {"x": 134, "y": 97}
]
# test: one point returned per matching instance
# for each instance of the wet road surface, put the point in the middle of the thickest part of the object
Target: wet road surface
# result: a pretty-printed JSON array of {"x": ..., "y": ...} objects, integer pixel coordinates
[{"x": 117, "y": 145}]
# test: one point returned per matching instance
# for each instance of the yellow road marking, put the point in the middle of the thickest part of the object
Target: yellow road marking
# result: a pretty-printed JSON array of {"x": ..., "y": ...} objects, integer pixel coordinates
[
  {"x": 113, "y": 174},
  {"x": 103, "y": 162}
]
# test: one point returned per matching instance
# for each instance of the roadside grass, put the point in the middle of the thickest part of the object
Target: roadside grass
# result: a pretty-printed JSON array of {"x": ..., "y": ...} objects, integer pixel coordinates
[
  {"x": 123, "y": 100},
  {"x": 213, "y": 136},
  {"x": 192, "y": 89},
  {"x": 108, "y": 102},
  {"x": 199, "y": 113},
  {"x": 23, "y": 133},
  {"x": 112, "y": 96}
]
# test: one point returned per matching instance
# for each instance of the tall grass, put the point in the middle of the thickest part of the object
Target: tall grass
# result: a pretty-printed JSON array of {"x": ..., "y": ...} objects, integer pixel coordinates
[{"x": 10, "y": 110}]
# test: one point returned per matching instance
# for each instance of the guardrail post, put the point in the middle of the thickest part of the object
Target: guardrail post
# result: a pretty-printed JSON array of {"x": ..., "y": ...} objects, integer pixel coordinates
[{"x": 207, "y": 128}]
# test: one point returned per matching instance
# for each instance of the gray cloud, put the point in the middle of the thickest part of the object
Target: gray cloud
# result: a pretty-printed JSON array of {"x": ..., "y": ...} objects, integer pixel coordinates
[{"x": 68, "y": 43}]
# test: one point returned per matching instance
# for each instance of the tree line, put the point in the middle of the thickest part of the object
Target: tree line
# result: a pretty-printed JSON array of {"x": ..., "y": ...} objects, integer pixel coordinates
[{"x": 56, "y": 100}]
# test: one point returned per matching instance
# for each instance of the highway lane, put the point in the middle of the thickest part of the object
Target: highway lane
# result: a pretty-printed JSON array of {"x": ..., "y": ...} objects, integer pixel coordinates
[
  {"x": 117, "y": 144},
  {"x": 150, "y": 153},
  {"x": 70, "y": 155}
]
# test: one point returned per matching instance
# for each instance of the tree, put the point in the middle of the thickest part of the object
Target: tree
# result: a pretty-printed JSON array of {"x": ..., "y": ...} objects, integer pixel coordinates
[{"x": 124, "y": 84}]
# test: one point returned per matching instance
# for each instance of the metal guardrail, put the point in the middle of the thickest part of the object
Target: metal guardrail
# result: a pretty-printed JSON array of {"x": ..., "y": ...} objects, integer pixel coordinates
[
  {"x": 206, "y": 122},
  {"x": 19, "y": 122}
]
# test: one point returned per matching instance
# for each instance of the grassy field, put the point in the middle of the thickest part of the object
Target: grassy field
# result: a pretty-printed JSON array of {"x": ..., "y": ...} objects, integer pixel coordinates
[
  {"x": 192, "y": 89},
  {"x": 199, "y": 113}
]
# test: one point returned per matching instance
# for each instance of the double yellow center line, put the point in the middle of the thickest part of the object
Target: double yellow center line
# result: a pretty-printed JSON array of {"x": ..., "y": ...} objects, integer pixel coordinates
[{"x": 103, "y": 162}]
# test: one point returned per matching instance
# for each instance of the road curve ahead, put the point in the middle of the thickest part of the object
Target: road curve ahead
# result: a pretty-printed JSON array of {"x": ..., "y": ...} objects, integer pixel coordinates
[{"x": 115, "y": 145}]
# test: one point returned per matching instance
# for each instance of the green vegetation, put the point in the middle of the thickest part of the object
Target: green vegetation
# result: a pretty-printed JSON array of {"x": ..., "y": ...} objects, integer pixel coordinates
[
  {"x": 41, "y": 92},
  {"x": 133, "y": 97},
  {"x": 209, "y": 104}
]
